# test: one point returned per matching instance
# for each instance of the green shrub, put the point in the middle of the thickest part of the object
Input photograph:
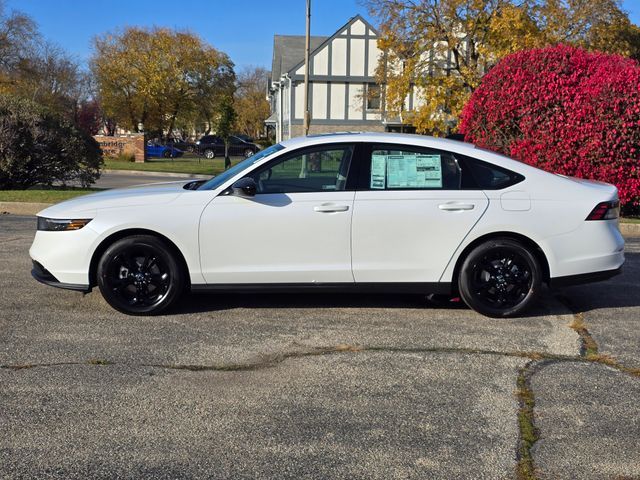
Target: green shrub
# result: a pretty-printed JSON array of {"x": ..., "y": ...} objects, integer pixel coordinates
[
  {"x": 124, "y": 157},
  {"x": 40, "y": 148},
  {"x": 264, "y": 142}
]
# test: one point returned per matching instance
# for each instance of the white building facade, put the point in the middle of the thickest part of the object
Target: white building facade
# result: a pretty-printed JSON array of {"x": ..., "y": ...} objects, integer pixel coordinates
[{"x": 343, "y": 94}]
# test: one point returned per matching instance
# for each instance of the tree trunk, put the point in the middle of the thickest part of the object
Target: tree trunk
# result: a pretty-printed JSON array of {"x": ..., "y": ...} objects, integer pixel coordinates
[
  {"x": 227, "y": 160},
  {"x": 172, "y": 122}
]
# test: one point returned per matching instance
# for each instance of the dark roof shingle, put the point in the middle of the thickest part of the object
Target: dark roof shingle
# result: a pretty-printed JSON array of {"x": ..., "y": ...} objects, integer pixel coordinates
[{"x": 288, "y": 51}]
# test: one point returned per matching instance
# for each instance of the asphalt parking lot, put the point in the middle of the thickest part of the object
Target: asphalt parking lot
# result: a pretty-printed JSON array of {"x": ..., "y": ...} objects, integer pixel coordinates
[{"x": 324, "y": 386}]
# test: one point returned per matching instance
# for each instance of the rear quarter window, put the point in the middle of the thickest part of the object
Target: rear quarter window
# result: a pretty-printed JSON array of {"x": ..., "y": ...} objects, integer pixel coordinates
[{"x": 477, "y": 174}]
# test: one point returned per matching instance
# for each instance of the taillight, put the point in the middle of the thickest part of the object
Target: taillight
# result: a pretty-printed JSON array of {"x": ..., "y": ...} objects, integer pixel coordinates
[{"x": 605, "y": 211}]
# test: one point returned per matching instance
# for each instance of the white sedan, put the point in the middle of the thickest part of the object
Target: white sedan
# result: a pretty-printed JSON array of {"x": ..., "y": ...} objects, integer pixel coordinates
[{"x": 340, "y": 212}]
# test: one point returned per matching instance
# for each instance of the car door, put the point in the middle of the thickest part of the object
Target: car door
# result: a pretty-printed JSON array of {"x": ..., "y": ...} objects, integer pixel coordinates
[
  {"x": 296, "y": 229},
  {"x": 234, "y": 151},
  {"x": 410, "y": 214},
  {"x": 154, "y": 150},
  {"x": 219, "y": 146},
  {"x": 239, "y": 146}
]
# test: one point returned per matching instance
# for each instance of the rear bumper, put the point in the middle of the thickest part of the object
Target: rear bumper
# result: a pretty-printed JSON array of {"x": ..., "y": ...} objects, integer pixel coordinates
[
  {"x": 581, "y": 278},
  {"x": 43, "y": 275}
]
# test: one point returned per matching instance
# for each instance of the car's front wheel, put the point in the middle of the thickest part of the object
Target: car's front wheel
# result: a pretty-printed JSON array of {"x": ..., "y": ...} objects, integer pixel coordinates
[
  {"x": 140, "y": 275},
  {"x": 209, "y": 153},
  {"x": 500, "y": 278},
  {"x": 248, "y": 153}
]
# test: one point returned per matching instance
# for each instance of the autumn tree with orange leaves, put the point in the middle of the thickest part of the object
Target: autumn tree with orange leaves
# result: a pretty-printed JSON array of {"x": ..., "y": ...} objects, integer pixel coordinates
[{"x": 160, "y": 78}]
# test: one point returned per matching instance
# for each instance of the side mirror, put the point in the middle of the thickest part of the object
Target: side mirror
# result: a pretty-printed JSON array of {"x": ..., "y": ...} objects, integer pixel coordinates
[{"x": 245, "y": 187}]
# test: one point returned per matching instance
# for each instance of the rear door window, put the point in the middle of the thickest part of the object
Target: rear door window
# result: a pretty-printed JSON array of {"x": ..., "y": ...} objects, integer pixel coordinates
[
  {"x": 412, "y": 168},
  {"x": 403, "y": 167}
]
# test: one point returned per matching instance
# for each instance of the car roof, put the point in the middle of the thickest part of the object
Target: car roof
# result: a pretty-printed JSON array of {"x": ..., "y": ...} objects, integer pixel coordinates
[
  {"x": 455, "y": 146},
  {"x": 402, "y": 138}
]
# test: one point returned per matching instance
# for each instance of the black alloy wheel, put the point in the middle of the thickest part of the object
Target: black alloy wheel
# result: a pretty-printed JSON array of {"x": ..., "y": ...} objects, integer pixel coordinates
[
  {"x": 500, "y": 278},
  {"x": 139, "y": 275}
]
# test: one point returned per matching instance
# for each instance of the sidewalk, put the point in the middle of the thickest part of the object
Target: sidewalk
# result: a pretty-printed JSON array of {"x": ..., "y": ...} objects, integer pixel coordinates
[{"x": 155, "y": 174}]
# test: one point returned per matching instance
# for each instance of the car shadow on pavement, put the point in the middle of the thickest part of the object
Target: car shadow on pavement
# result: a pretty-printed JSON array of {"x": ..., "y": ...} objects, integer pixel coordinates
[
  {"x": 198, "y": 303},
  {"x": 618, "y": 292},
  {"x": 202, "y": 303}
]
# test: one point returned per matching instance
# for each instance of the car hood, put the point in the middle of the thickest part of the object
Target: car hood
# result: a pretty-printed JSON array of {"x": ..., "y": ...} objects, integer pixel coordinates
[{"x": 152, "y": 193}]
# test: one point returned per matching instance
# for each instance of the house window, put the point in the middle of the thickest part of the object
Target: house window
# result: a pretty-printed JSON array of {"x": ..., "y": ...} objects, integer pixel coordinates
[{"x": 373, "y": 96}]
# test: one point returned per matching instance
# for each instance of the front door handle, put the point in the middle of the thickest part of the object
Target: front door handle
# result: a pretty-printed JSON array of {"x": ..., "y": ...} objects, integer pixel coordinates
[
  {"x": 456, "y": 207},
  {"x": 330, "y": 208}
]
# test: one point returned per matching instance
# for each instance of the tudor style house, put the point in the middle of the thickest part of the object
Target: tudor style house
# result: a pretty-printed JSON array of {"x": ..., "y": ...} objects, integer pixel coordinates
[{"x": 343, "y": 94}]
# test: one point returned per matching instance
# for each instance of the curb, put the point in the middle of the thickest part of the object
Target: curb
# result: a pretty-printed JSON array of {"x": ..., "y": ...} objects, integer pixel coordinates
[
  {"x": 630, "y": 229},
  {"x": 25, "y": 208},
  {"x": 22, "y": 208},
  {"x": 158, "y": 174}
]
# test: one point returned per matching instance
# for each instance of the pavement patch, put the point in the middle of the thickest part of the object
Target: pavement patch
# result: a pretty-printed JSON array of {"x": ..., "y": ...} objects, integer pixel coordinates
[
  {"x": 611, "y": 310},
  {"x": 588, "y": 418},
  {"x": 375, "y": 415}
]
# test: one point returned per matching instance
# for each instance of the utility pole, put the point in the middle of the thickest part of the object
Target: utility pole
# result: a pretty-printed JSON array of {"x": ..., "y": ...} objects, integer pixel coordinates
[{"x": 307, "y": 45}]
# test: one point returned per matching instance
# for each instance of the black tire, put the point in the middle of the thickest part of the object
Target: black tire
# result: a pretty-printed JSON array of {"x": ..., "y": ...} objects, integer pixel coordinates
[
  {"x": 140, "y": 275},
  {"x": 500, "y": 278},
  {"x": 166, "y": 153},
  {"x": 209, "y": 153},
  {"x": 248, "y": 153}
]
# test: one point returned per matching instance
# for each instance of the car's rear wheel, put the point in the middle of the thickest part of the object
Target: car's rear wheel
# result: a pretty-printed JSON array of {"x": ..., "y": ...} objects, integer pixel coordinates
[
  {"x": 166, "y": 153},
  {"x": 248, "y": 153},
  {"x": 209, "y": 153},
  {"x": 500, "y": 278},
  {"x": 140, "y": 275}
]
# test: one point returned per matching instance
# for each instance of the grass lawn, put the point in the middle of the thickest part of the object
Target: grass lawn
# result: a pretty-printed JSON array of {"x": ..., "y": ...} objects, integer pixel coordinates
[
  {"x": 201, "y": 166},
  {"x": 43, "y": 195}
]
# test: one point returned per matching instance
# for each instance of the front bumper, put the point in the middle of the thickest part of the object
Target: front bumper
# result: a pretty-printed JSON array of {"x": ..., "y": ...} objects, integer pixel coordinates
[
  {"x": 43, "y": 275},
  {"x": 65, "y": 255}
]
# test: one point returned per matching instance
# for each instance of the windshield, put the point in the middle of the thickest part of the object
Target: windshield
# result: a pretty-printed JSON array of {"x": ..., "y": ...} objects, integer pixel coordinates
[{"x": 215, "y": 182}]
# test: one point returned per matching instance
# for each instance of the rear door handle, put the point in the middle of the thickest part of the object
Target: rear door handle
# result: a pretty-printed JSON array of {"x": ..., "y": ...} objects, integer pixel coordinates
[
  {"x": 330, "y": 208},
  {"x": 456, "y": 207}
]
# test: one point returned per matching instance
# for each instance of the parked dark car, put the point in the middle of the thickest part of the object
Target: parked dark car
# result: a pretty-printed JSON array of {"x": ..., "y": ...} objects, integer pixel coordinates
[
  {"x": 246, "y": 138},
  {"x": 158, "y": 150},
  {"x": 211, "y": 146},
  {"x": 184, "y": 145}
]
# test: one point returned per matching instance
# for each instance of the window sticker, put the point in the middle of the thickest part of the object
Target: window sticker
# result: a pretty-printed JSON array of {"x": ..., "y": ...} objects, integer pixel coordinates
[
  {"x": 429, "y": 170},
  {"x": 414, "y": 171},
  {"x": 378, "y": 171}
]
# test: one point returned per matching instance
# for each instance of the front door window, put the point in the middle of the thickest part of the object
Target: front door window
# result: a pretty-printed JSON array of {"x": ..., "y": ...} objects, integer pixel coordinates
[{"x": 316, "y": 170}]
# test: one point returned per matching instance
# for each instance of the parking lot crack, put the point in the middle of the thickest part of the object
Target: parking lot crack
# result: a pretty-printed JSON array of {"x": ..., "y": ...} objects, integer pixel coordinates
[
  {"x": 589, "y": 349},
  {"x": 301, "y": 351},
  {"x": 272, "y": 360},
  {"x": 528, "y": 433}
]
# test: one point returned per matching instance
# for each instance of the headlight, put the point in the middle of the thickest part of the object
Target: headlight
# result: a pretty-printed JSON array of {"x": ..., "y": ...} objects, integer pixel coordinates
[{"x": 61, "y": 225}]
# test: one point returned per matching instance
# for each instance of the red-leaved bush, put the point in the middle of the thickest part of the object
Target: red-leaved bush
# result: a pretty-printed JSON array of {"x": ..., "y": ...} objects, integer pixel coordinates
[{"x": 564, "y": 110}]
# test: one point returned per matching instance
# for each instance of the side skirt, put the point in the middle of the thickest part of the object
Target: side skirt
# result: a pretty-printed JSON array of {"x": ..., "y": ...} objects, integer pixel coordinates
[{"x": 440, "y": 288}]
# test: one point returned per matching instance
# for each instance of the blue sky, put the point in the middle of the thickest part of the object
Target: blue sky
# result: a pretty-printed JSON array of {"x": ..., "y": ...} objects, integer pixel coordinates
[{"x": 243, "y": 29}]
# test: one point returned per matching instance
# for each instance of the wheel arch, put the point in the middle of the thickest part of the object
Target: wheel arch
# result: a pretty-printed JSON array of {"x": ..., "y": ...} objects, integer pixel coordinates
[
  {"x": 114, "y": 237},
  {"x": 535, "y": 249}
]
